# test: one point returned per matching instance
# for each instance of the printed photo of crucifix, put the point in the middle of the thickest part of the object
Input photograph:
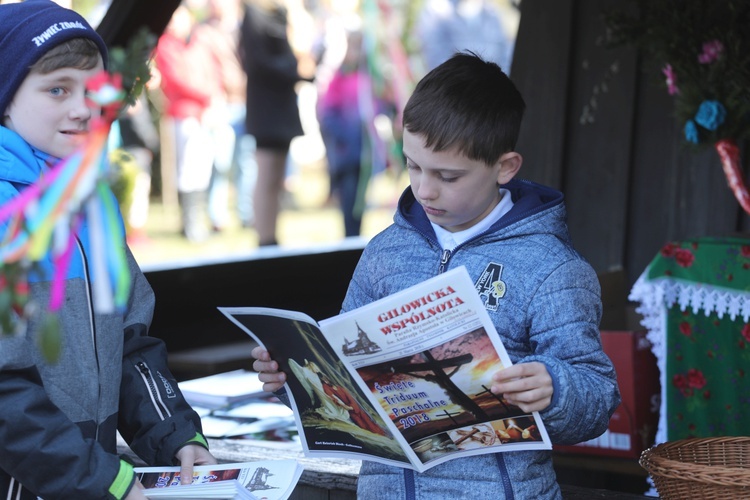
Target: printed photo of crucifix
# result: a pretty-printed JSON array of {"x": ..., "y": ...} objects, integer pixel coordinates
[{"x": 440, "y": 398}]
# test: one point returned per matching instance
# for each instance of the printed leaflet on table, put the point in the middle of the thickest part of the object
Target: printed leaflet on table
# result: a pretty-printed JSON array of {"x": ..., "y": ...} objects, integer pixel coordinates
[
  {"x": 267, "y": 479},
  {"x": 222, "y": 389}
]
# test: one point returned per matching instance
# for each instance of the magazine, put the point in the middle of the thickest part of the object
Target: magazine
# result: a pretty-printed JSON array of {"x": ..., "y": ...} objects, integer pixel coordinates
[
  {"x": 404, "y": 380},
  {"x": 266, "y": 479}
]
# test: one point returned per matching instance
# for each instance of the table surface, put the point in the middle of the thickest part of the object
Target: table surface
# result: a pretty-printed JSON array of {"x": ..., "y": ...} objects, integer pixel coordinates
[{"x": 329, "y": 474}]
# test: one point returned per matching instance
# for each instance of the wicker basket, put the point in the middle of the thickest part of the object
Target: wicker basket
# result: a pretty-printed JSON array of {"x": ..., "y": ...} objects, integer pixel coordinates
[{"x": 701, "y": 468}]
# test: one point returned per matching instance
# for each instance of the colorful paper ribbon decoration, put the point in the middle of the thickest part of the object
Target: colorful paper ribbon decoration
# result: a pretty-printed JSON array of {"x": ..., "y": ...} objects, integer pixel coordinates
[{"x": 44, "y": 218}]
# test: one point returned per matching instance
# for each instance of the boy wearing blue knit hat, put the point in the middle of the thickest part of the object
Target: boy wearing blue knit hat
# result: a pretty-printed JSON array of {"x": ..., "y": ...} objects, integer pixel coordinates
[{"x": 59, "y": 421}]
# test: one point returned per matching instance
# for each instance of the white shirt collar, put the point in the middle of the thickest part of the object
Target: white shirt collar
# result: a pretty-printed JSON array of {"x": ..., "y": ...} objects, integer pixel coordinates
[{"x": 449, "y": 240}]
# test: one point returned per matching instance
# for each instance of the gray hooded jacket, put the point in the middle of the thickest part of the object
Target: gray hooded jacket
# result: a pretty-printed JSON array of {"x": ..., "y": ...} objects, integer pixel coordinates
[
  {"x": 548, "y": 311},
  {"x": 59, "y": 422}
]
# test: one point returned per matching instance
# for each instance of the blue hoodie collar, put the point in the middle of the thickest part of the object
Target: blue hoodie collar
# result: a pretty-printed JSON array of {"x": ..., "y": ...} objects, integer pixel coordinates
[
  {"x": 529, "y": 198},
  {"x": 19, "y": 162}
]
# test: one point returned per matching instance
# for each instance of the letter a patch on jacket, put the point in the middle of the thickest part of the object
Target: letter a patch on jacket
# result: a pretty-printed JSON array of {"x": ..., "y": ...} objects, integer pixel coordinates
[{"x": 490, "y": 287}]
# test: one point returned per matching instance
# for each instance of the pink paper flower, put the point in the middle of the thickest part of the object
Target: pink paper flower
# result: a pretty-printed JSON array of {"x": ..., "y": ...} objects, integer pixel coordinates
[
  {"x": 711, "y": 51},
  {"x": 671, "y": 79}
]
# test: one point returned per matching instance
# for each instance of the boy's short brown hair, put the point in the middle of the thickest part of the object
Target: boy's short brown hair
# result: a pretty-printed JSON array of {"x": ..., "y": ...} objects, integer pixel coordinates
[
  {"x": 78, "y": 53},
  {"x": 468, "y": 105}
]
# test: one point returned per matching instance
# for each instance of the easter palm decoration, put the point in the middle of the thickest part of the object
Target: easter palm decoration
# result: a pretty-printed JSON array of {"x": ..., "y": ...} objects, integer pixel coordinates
[{"x": 702, "y": 48}]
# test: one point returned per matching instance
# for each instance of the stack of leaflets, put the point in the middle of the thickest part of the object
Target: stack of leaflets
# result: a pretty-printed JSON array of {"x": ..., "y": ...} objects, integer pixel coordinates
[
  {"x": 230, "y": 427},
  {"x": 256, "y": 419},
  {"x": 404, "y": 380},
  {"x": 223, "y": 389},
  {"x": 268, "y": 479}
]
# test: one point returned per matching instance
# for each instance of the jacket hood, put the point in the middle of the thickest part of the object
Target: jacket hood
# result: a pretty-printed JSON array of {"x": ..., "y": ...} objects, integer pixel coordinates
[
  {"x": 532, "y": 202},
  {"x": 18, "y": 161}
]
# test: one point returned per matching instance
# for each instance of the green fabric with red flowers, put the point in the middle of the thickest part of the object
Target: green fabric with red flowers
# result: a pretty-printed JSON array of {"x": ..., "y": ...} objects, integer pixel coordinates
[{"x": 708, "y": 357}]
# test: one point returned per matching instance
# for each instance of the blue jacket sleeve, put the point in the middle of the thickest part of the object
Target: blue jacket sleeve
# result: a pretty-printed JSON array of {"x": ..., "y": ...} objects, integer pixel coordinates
[{"x": 565, "y": 336}]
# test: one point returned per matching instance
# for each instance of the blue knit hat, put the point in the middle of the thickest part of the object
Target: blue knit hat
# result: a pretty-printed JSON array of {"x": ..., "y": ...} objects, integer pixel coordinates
[{"x": 28, "y": 30}]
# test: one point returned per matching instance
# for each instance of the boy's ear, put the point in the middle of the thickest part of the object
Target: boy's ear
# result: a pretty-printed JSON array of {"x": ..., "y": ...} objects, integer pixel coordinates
[{"x": 510, "y": 163}]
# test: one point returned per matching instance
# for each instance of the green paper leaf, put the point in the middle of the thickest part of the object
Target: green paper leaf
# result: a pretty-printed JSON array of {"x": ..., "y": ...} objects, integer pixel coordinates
[{"x": 50, "y": 338}]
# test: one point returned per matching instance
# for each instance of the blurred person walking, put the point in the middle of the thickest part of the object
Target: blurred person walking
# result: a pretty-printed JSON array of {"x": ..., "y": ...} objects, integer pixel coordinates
[
  {"x": 445, "y": 27},
  {"x": 189, "y": 79},
  {"x": 235, "y": 148},
  {"x": 135, "y": 135},
  {"x": 346, "y": 113},
  {"x": 272, "y": 109}
]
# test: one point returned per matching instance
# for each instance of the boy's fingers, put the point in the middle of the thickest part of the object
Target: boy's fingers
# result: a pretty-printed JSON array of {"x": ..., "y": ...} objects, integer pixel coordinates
[
  {"x": 265, "y": 366},
  {"x": 260, "y": 353},
  {"x": 272, "y": 386},
  {"x": 186, "y": 473},
  {"x": 268, "y": 370},
  {"x": 272, "y": 377}
]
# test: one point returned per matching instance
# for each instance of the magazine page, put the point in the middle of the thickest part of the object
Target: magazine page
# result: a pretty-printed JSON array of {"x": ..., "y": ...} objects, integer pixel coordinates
[
  {"x": 335, "y": 418},
  {"x": 270, "y": 479},
  {"x": 425, "y": 357}
]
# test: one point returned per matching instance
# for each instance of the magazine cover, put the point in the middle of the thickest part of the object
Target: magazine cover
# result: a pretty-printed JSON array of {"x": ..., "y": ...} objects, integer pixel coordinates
[{"x": 418, "y": 364}]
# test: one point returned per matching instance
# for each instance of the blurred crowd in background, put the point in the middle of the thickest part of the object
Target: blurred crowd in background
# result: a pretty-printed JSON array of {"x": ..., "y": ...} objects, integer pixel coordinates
[{"x": 244, "y": 94}]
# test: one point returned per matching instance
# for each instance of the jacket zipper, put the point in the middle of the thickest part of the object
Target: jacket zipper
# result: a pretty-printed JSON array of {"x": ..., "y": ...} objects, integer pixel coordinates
[
  {"x": 409, "y": 486},
  {"x": 92, "y": 323},
  {"x": 507, "y": 486},
  {"x": 156, "y": 400},
  {"x": 444, "y": 261}
]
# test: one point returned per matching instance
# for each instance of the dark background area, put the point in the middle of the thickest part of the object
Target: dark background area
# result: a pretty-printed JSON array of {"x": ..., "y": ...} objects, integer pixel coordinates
[{"x": 630, "y": 183}]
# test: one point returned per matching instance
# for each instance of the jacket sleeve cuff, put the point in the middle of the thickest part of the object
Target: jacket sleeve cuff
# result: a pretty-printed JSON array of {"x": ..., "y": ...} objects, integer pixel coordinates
[
  {"x": 123, "y": 482},
  {"x": 198, "y": 439}
]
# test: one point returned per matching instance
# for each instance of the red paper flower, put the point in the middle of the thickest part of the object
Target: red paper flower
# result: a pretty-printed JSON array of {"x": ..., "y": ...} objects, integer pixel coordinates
[
  {"x": 668, "y": 250},
  {"x": 684, "y": 257},
  {"x": 106, "y": 91},
  {"x": 686, "y": 329},
  {"x": 746, "y": 331},
  {"x": 696, "y": 380},
  {"x": 680, "y": 381}
]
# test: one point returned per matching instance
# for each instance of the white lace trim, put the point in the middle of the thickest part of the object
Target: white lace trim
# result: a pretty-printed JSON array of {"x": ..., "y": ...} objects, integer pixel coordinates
[
  {"x": 658, "y": 295},
  {"x": 651, "y": 306}
]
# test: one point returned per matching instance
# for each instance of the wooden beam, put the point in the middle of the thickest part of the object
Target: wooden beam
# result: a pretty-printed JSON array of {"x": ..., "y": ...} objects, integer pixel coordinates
[{"x": 124, "y": 18}]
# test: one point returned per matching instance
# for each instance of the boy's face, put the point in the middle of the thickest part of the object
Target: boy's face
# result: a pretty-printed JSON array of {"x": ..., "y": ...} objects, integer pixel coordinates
[
  {"x": 50, "y": 110},
  {"x": 455, "y": 191}
]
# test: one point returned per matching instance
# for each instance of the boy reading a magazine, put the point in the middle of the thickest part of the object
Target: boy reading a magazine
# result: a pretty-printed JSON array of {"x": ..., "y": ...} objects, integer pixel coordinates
[
  {"x": 59, "y": 420},
  {"x": 464, "y": 208}
]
